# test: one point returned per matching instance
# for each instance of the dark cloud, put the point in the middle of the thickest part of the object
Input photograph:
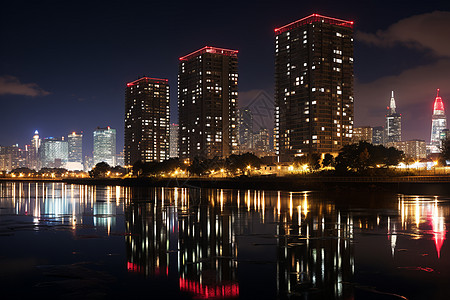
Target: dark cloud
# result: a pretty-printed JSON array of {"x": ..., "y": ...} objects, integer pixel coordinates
[
  {"x": 10, "y": 85},
  {"x": 426, "y": 31}
]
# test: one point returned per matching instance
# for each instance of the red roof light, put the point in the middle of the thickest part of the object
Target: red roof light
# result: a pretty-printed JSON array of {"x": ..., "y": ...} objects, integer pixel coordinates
[
  {"x": 208, "y": 49},
  {"x": 155, "y": 80},
  {"x": 314, "y": 18}
]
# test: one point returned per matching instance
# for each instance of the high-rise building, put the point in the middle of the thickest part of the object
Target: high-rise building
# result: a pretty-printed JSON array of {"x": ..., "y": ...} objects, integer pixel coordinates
[
  {"x": 393, "y": 123},
  {"x": 438, "y": 124},
  {"x": 415, "y": 149},
  {"x": 75, "y": 148},
  {"x": 362, "y": 134},
  {"x": 313, "y": 86},
  {"x": 207, "y": 99},
  {"x": 105, "y": 146},
  {"x": 34, "y": 151},
  {"x": 261, "y": 142},
  {"x": 53, "y": 153},
  {"x": 245, "y": 130},
  {"x": 174, "y": 129},
  {"x": 147, "y": 117},
  {"x": 378, "y": 135}
]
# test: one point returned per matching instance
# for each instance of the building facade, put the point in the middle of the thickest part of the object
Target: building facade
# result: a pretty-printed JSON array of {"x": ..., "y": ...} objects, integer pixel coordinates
[
  {"x": 207, "y": 101},
  {"x": 313, "y": 86},
  {"x": 261, "y": 142},
  {"x": 75, "y": 148},
  {"x": 174, "y": 150},
  {"x": 378, "y": 135},
  {"x": 393, "y": 123},
  {"x": 34, "y": 152},
  {"x": 53, "y": 153},
  {"x": 245, "y": 130},
  {"x": 105, "y": 146},
  {"x": 414, "y": 149},
  {"x": 362, "y": 134},
  {"x": 438, "y": 125},
  {"x": 147, "y": 117}
]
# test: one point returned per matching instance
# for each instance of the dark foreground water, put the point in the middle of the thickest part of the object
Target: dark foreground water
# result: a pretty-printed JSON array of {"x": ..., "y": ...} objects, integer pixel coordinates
[{"x": 62, "y": 241}]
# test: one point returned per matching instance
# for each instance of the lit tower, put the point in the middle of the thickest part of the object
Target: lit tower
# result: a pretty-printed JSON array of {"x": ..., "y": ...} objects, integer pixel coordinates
[
  {"x": 35, "y": 144},
  {"x": 393, "y": 123},
  {"x": 438, "y": 124},
  {"x": 147, "y": 116},
  {"x": 313, "y": 86},
  {"x": 207, "y": 99}
]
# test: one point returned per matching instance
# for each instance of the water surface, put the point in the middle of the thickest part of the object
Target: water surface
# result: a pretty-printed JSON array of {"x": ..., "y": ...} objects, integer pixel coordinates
[{"x": 111, "y": 242}]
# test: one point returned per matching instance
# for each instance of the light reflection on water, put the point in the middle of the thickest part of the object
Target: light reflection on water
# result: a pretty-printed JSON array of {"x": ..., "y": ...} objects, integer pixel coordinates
[{"x": 247, "y": 243}]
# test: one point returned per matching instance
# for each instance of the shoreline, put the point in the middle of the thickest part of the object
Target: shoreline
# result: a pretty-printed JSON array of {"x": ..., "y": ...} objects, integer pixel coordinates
[{"x": 432, "y": 185}]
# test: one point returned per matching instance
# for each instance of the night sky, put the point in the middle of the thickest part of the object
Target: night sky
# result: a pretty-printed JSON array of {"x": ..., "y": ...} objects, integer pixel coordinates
[{"x": 64, "y": 65}]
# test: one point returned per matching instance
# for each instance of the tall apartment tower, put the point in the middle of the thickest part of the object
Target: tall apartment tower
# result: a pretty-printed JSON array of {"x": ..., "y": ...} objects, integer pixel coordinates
[
  {"x": 313, "y": 86},
  {"x": 393, "y": 123},
  {"x": 438, "y": 124},
  {"x": 207, "y": 100},
  {"x": 105, "y": 146},
  {"x": 147, "y": 117}
]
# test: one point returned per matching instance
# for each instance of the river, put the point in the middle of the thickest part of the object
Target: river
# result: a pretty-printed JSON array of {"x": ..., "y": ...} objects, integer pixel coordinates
[{"x": 109, "y": 242}]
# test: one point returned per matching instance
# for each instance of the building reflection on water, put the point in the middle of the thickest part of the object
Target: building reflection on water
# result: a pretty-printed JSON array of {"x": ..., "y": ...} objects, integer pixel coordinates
[
  {"x": 59, "y": 203},
  {"x": 199, "y": 237}
]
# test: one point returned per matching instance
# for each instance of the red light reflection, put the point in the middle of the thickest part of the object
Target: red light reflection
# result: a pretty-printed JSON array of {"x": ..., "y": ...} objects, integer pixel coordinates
[{"x": 204, "y": 291}]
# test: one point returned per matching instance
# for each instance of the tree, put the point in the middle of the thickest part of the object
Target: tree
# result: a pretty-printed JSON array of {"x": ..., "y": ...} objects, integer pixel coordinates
[
  {"x": 311, "y": 160},
  {"x": 328, "y": 160},
  {"x": 244, "y": 162},
  {"x": 361, "y": 156},
  {"x": 100, "y": 170}
]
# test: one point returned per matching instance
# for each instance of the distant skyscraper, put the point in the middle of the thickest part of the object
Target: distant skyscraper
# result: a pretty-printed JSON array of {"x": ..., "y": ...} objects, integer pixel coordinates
[
  {"x": 75, "y": 144},
  {"x": 415, "y": 149},
  {"x": 245, "y": 129},
  {"x": 34, "y": 151},
  {"x": 53, "y": 153},
  {"x": 378, "y": 135},
  {"x": 105, "y": 146},
  {"x": 362, "y": 134},
  {"x": 174, "y": 129},
  {"x": 207, "y": 99},
  {"x": 393, "y": 123},
  {"x": 438, "y": 124},
  {"x": 313, "y": 86},
  {"x": 147, "y": 117},
  {"x": 261, "y": 142}
]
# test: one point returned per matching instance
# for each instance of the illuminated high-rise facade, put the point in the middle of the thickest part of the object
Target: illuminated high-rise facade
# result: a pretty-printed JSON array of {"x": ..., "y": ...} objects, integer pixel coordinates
[
  {"x": 105, "y": 146},
  {"x": 207, "y": 99},
  {"x": 245, "y": 130},
  {"x": 438, "y": 124},
  {"x": 75, "y": 146},
  {"x": 147, "y": 117},
  {"x": 75, "y": 141},
  {"x": 53, "y": 153},
  {"x": 393, "y": 123},
  {"x": 174, "y": 128},
  {"x": 34, "y": 151},
  {"x": 313, "y": 86}
]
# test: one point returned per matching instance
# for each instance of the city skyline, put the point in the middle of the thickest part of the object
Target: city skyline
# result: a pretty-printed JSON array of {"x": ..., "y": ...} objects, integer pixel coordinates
[{"x": 46, "y": 99}]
